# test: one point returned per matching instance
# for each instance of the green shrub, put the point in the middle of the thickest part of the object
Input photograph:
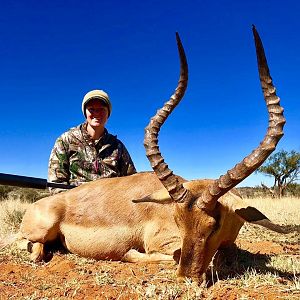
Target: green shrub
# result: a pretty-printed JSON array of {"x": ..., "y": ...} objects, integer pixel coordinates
[
  {"x": 293, "y": 189},
  {"x": 4, "y": 191},
  {"x": 29, "y": 195},
  {"x": 23, "y": 194}
]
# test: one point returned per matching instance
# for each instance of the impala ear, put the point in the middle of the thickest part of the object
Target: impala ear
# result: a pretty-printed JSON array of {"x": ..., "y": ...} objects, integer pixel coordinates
[
  {"x": 162, "y": 196},
  {"x": 252, "y": 215}
]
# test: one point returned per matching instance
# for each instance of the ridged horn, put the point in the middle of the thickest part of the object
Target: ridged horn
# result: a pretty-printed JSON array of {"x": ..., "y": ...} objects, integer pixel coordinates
[
  {"x": 170, "y": 181},
  {"x": 274, "y": 133}
]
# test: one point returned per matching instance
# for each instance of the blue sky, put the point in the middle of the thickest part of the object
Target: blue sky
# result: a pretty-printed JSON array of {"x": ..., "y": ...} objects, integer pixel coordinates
[{"x": 53, "y": 52}]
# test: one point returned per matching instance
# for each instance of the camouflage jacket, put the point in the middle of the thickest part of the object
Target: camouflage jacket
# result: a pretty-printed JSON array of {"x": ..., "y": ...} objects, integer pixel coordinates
[{"x": 76, "y": 158}]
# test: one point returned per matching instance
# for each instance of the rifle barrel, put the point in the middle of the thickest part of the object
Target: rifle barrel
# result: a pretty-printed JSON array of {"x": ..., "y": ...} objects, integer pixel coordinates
[{"x": 30, "y": 182}]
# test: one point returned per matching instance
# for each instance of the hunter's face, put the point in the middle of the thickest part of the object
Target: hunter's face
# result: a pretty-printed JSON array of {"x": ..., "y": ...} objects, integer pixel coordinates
[{"x": 96, "y": 113}]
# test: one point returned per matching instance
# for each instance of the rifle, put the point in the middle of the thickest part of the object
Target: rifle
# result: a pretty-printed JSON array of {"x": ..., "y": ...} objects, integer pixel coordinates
[{"x": 31, "y": 182}]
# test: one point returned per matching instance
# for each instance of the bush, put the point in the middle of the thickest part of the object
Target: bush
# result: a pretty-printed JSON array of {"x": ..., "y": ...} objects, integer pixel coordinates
[
  {"x": 293, "y": 189},
  {"x": 22, "y": 194},
  {"x": 29, "y": 195},
  {"x": 253, "y": 192},
  {"x": 4, "y": 191}
]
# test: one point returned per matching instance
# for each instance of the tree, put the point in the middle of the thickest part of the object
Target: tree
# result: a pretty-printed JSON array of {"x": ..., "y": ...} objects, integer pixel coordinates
[{"x": 284, "y": 166}]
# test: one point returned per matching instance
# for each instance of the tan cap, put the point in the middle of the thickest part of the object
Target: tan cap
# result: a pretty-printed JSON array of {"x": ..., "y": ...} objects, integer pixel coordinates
[{"x": 96, "y": 94}]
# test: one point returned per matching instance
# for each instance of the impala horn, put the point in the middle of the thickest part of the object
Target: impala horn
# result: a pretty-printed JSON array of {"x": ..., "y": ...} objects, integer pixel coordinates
[
  {"x": 274, "y": 133},
  {"x": 170, "y": 181}
]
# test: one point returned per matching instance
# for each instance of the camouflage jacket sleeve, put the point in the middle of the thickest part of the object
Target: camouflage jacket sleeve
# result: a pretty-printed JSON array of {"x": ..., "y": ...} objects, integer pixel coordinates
[
  {"x": 126, "y": 164},
  {"x": 58, "y": 169}
]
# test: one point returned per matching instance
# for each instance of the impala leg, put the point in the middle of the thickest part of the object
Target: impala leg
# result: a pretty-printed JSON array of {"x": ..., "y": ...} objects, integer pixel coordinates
[
  {"x": 37, "y": 251},
  {"x": 134, "y": 256},
  {"x": 40, "y": 226}
]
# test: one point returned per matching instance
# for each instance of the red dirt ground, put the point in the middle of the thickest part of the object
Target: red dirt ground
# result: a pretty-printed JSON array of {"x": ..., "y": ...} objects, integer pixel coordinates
[{"x": 68, "y": 277}]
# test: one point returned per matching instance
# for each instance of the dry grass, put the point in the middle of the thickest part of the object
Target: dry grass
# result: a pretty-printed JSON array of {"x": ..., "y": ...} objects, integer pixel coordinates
[
  {"x": 283, "y": 211},
  {"x": 11, "y": 213}
]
